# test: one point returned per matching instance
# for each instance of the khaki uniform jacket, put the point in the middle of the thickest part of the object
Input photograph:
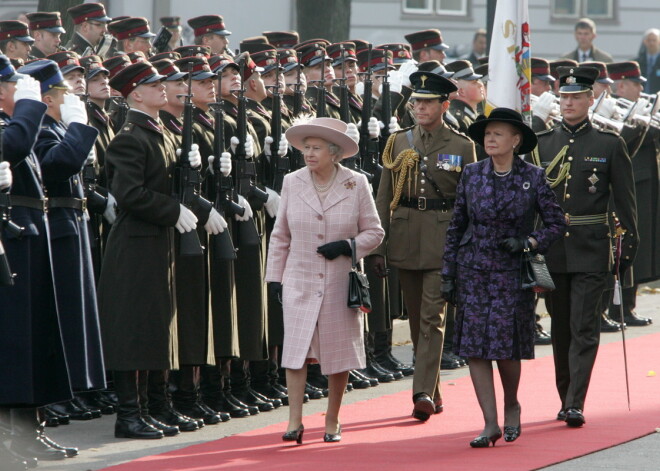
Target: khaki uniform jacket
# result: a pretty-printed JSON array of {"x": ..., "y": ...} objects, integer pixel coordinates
[{"x": 415, "y": 239}]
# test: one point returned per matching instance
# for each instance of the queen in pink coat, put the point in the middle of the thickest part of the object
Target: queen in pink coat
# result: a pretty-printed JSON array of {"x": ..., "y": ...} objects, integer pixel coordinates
[{"x": 323, "y": 206}]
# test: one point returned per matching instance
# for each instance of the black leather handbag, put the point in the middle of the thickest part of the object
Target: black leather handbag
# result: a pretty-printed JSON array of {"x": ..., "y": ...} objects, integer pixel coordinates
[
  {"x": 358, "y": 286},
  {"x": 534, "y": 273}
]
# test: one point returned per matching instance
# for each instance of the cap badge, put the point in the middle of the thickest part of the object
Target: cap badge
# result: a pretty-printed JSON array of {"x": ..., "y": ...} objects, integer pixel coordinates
[
  {"x": 423, "y": 78},
  {"x": 318, "y": 52},
  {"x": 571, "y": 71},
  {"x": 270, "y": 61},
  {"x": 571, "y": 80}
]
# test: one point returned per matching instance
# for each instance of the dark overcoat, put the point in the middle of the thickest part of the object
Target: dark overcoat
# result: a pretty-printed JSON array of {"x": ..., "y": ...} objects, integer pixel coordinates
[
  {"x": 136, "y": 289},
  {"x": 34, "y": 370},
  {"x": 62, "y": 153}
]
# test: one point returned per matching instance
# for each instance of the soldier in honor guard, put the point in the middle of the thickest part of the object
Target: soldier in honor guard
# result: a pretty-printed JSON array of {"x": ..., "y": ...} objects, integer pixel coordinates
[
  {"x": 314, "y": 57},
  {"x": 30, "y": 333},
  {"x": 132, "y": 35},
  {"x": 116, "y": 106},
  {"x": 72, "y": 71},
  {"x": 210, "y": 31},
  {"x": 90, "y": 24},
  {"x": 470, "y": 94},
  {"x": 603, "y": 83},
  {"x": 15, "y": 40},
  {"x": 255, "y": 44},
  {"x": 542, "y": 82},
  {"x": 422, "y": 166},
  {"x": 194, "y": 51},
  {"x": 585, "y": 167},
  {"x": 45, "y": 28},
  {"x": 292, "y": 72},
  {"x": 173, "y": 25},
  {"x": 282, "y": 39},
  {"x": 629, "y": 83},
  {"x": 345, "y": 65},
  {"x": 427, "y": 45}
]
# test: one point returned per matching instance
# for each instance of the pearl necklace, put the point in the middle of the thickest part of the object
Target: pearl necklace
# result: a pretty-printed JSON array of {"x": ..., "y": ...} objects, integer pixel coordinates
[
  {"x": 502, "y": 174},
  {"x": 326, "y": 187}
]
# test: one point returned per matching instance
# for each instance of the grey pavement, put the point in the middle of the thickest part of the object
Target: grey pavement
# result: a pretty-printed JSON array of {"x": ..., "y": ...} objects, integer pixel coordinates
[{"x": 99, "y": 448}]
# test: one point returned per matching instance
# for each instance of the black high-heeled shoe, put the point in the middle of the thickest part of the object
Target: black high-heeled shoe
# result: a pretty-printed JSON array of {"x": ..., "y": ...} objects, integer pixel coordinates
[
  {"x": 511, "y": 433},
  {"x": 332, "y": 437},
  {"x": 294, "y": 435},
  {"x": 484, "y": 441}
]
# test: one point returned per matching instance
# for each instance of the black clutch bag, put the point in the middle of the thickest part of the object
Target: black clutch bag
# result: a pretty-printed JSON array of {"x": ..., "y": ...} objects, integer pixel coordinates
[
  {"x": 534, "y": 273},
  {"x": 358, "y": 286}
]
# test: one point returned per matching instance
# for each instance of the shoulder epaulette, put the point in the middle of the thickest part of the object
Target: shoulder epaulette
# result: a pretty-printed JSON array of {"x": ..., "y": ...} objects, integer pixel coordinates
[
  {"x": 545, "y": 132},
  {"x": 404, "y": 129},
  {"x": 606, "y": 131},
  {"x": 127, "y": 127},
  {"x": 456, "y": 131}
]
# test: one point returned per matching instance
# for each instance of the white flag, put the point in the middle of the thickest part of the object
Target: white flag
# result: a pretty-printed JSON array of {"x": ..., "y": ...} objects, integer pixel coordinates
[{"x": 509, "y": 59}]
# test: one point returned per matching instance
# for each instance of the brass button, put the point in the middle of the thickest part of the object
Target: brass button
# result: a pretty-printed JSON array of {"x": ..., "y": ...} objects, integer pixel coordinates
[
  {"x": 571, "y": 141},
  {"x": 320, "y": 218},
  {"x": 567, "y": 234},
  {"x": 568, "y": 196},
  {"x": 320, "y": 275},
  {"x": 569, "y": 176},
  {"x": 422, "y": 181},
  {"x": 570, "y": 159},
  {"x": 422, "y": 190}
]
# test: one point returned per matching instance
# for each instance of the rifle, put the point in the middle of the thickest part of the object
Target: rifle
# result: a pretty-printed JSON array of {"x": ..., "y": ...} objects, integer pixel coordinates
[
  {"x": 298, "y": 160},
  {"x": 6, "y": 275},
  {"x": 320, "y": 93},
  {"x": 386, "y": 111},
  {"x": 223, "y": 248},
  {"x": 280, "y": 166},
  {"x": 188, "y": 179},
  {"x": 120, "y": 110},
  {"x": 344, "y": 111},
  {"x": 246, "y": 171},
  {"x": 369, "y": 164}
]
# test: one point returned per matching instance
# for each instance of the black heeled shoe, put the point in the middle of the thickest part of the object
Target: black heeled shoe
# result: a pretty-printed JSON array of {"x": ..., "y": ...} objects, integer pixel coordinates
[
  {"x": 294, "y": 435},
  {"x": 484, "y": 441},
  {"x": 332, "y": 437},
  {"x": 511, "y": 434}
]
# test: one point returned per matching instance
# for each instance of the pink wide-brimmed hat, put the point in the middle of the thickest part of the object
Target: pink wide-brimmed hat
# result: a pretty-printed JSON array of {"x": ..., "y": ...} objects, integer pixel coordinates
[{"x": 329, "y": 129}]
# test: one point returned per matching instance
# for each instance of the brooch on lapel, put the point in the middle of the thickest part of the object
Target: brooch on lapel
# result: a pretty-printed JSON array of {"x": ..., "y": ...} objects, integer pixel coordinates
[
  {"x": 526, "y": 186},
  {"x": 349, "y": 185}
]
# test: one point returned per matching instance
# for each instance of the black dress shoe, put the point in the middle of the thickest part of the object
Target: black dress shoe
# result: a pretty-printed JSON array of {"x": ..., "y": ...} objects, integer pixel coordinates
[
  {"x": 381, "y": 375},
  {"x": 439, "y": 408},
  {"x": 74, "y": 412},
  {"x": 389, "y": 362},
  {"x": 608, "y": 325},
  {"x": 36, "y": 448},
  {"x": 62, "y": 419},
  {"x": 452, "y": 356},
  {"x": 511, "y": 434},
  {"x": 224, "y": 405},
  {"x": 372, "y": 381},
  {"x": 357, "y": 382},
  {"x": 251, "y": 399},
  {"x": 397, "y": 375},
  {"x": 224, "y": 416},
  {"x": 574, "y": 417},
  {"x": 634, "y": 320},
  {"x": 541, "y": 337},
  {"x": 484, "y": 441},
  {"x": 95, "y": 400},
  {"x": 332, "y": 437},
  {"x": 253, "y": 410},
  {"x": 272, "y": 392},
  {"x": 96, "y": 413},
  {"x": 274, "y": 401},
  {"x": 447, "y": 362},
  {"x": 318, "y": 381},
  {"x": 172, "y": 417},
  {"x": 168, "y": 430},
  {"x": 51, "y": 419},
  {"x": 561, "y": 415},
  {"x": 136, "y": 427},
  {"x": 294, "y": 435},
  {"x": 424, "y": 407},
  {"x": 196, "y": 411},
  {"x": 314, "y": 392}
]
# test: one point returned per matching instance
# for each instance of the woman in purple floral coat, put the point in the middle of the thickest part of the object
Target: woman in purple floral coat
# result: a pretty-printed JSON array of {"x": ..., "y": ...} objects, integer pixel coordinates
[{"x": 497, "y": 202}]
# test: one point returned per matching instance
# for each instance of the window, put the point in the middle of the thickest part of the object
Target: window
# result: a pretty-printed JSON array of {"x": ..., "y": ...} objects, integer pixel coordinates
[
  {"x": 439, "y": 7},
  {"x": 452, "y": 7},
  {"x": 417, "y": 6},
  {"x": 595, "y": 9}
]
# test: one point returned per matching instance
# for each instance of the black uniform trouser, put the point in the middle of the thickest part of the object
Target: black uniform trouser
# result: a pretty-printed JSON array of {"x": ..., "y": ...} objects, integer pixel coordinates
[{"x": 574, "y": 307}]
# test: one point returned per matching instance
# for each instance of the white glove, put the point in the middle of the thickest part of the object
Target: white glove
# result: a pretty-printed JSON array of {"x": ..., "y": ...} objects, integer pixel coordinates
[
  {"x": 607, "y": 107},
  {"x": 249, "y": 145},
  {"x": 5, "y": 176},
  {"x": 374, "y": 128},
  {"x": 225, "y": 163},
  {"x": 359, "y": 88},
  {"x": 272, "y": 204},
  {"x": 248, "y": 210},
  {"x": 393, "y": 126},
  {"x": 267, "y": 142},
  {"x": 352, "y": 132},
  {"x": 544, "y": 105},
  {"x": 110, "y": 213},
  {"x": 406, "y": 69},
  {"x": 187, "y": 220},
  {"x": 91, "y": 157},
  {"x": 396, "y": 80},
  {"x": 194, "y": 157},
  {"x": 283, "y": 148},
  {"x": 27, "y": 88},
  {"x": 216, "y": 224},
  {"x": 73, "y": 110}
]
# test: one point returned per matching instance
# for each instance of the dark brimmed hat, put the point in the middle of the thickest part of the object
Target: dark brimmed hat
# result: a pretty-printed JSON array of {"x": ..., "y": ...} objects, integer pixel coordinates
[
  {"x": 169, "y": 69},
  {"x": 206, "y": 24},
  {"x": 400, "y": 52},
  {"x": 477, "y": 129},
  {"x": 541, "y": 70},
  {"x": 171, "y": 55},
  {"x": 131, "y": 28},
  {"x": 330, "y": 129},
  {"x": 133, "y": 76},
  {"x": 561, "y": 63},
  {"x": 431, "y": 38},
  {"x": 603, "y": 77},
  {"x": 323, "y": 42},
  {"x": 576, "y": 79},
  {"x": 171, "y": 22},
  {"x": 625, "y": 70},
  {"x": 267, "y": 60},
  {"x": 93, "y": 65},
  {"x": 380, "y": 60},
  {"x": 67, "y": 61},
  {"x": 116, "y": 64},
  {"x": 427, "y": 86},
  {"x": 194, "y": 51},
  {"x": 289, "y": 59},
  {"x": 14, "y": 29},
  {"x": 254, "y": 44},
  {"x": 219, "y": 62},
  {"x": 7, "y": 71},
  {"x": 282, "y": 39},
  {"x": 435, "y": 67},
  {"x": 198, "y": 67},
  {"x": 137, "y": 56},
  {"x": 88, "y": 12},
  {"x": 47, "y": 72},
  {"x": 312, "y": 54},
  {"x": 462, "y": 70},
  {"x": 334, "y": 51},
  {"x": 483, "y": 71},
  {"x": 46, "y": 20}
]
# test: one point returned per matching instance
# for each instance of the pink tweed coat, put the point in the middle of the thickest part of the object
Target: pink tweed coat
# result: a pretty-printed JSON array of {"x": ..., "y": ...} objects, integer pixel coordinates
[{"x": 315, "y": 289}]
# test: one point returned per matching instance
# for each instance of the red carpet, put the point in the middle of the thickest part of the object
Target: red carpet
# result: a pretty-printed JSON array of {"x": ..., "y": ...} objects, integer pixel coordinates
[{"x": 379, "y": 433}]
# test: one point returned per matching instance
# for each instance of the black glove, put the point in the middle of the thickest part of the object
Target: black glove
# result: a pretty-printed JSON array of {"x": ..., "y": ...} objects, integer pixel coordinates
[
  {"x": 379, "y": 267},
  {"x": 275, "y": 291},
  {"x": 449, "y": 289},
  {"x": 514, "y": 245},
  {"x": 332, "y": 250},
  {"x": 624, "y": 265}
]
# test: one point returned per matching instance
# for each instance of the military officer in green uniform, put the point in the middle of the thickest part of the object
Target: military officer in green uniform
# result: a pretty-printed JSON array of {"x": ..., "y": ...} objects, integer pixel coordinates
[
  {"x": 585, "y": 167},
  {"x": 422, "y": 166}
]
